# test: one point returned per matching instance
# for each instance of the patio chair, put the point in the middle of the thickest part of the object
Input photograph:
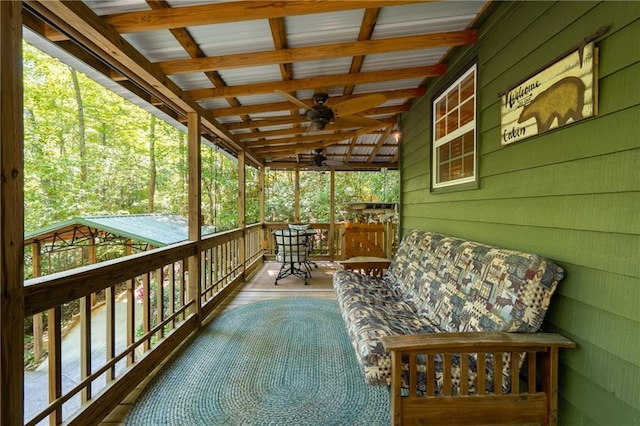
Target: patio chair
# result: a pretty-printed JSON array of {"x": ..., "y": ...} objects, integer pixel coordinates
[
  {"x": 310, "y": 233},
  {"x": 292, "y": 250}
]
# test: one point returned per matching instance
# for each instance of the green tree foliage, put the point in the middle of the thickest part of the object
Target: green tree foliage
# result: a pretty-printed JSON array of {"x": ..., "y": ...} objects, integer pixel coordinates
[
  {"x": 90, "y": 152},
  {"x": 109, "y": 138},
  {"x": 315, "y": 193}
]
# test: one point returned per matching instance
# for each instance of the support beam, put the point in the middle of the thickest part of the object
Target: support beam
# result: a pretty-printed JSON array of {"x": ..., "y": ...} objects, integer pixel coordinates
[
  {"x": 286, "y": 106},
  {"x": 296, "y": 204},
  {"x": 261, "y": 176},
  {"x": 242, "y": 219},
  {"x": 195, "y": 209},
  {"x": 332, "y": 214},
  {"x": 190, "y": 16},
  {"x": 11, "y": 216},
  {"x": 318, "y": 52},
  {"x": 314, "y": 82}
]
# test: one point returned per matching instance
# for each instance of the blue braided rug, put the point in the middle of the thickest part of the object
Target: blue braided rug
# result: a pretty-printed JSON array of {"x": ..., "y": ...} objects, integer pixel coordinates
[{"x": 275, "y": 362}]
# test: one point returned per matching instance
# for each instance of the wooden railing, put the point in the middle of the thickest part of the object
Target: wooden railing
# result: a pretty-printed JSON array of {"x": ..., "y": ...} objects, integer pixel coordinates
[
  {"x": 348, "y": 240},
  {"x": 148, "y": 312}
]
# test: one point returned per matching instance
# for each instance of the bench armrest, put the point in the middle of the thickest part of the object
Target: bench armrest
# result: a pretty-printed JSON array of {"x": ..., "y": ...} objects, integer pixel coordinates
[{"x": 475, "y": 342}]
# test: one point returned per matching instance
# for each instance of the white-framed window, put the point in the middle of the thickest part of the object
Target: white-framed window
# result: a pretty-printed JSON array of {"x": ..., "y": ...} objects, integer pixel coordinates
[{"x": 454, "y": 133}]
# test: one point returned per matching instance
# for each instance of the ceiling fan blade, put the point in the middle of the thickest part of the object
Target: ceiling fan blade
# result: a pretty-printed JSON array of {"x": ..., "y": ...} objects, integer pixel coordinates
[
  {"x": 353, "y": 106},
  {"x": 356, "y": 121},
  {"x": 297, "y": 102}
]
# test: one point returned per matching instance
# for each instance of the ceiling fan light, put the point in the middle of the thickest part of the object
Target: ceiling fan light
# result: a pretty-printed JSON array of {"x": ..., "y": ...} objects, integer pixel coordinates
[{"x": 319, "y": 123}]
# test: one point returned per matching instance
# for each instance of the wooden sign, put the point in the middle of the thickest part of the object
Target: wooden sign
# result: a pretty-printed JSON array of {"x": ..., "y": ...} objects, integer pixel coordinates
[{"x": 562, "y": 93}]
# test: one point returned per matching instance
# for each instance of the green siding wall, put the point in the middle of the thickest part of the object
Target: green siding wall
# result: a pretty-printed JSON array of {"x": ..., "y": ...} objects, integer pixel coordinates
[{"x": 572, "y": 194}]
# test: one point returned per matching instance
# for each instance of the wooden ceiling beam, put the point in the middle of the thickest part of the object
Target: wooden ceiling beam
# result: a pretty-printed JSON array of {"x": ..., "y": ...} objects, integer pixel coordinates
[
  {"x": 323, "y": 81},
  {"x": 270, "y": 121},
  {"x": 294, "y": 131},
  {"x": 259, "y": 146},
  {"x": 297, "y": 119},
  {"x": 379, "y": 145},
  {"x": 187, "y": 42},
  {"x": 219, "y": 13},
  {"x": 286, "y": 144},
  {"x": 355, "y": 166},
  {"x": 284, "y": 106},
  {"x": 319, "y": 52}
]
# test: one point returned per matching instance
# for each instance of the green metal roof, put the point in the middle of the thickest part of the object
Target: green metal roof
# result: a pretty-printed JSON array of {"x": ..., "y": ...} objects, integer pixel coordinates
[{"x": 155, "y": 229}]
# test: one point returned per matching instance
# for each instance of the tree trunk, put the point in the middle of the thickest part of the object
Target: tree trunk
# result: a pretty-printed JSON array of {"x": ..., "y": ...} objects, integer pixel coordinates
[
  {"x": 152, "y": 163},
  {"x": 81, "y": 127}
]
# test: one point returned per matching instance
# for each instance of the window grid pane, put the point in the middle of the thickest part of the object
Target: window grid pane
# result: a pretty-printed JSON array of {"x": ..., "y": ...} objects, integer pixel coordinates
[{"x": 455, "y": 157}]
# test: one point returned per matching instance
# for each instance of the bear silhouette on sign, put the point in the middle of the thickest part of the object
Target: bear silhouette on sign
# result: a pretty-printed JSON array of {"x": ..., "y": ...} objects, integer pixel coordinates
[{"x": 564, "y": 100}]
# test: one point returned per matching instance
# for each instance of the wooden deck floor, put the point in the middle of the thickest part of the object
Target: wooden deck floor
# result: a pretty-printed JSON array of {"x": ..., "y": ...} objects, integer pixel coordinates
[{"x": 259, "y": 287}]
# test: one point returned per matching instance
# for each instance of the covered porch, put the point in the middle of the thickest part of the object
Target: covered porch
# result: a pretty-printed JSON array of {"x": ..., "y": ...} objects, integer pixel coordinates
[{"x": 259, "y": 81}]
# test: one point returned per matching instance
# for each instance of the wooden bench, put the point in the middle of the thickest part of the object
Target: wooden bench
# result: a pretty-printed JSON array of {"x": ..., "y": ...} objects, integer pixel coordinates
[{"x": 453, "y": 328}]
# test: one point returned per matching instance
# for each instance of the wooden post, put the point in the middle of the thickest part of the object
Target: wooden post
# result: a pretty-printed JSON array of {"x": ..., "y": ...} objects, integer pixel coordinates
[
  {"x": 242, "y": 220},
  {"x": 261, "y": 177},
  {"x": 93, "y": 258},
  {"x": 296, "y": 205},
  {"x": 11, "y": 216},
  {"x": 195, "y": 210},
  {"x": 261, "y": 182},
  {"x": 332, "y": 214}
]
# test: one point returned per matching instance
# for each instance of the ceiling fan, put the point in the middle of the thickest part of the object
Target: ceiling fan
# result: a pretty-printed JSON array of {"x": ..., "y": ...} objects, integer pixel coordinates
[
  {"x": 321, "y": 114},
  {"x": 320, "y": 162}
]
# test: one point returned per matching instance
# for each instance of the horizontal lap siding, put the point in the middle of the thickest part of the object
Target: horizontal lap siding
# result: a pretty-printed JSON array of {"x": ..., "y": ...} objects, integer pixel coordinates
[{"x": 572, "y": 194}]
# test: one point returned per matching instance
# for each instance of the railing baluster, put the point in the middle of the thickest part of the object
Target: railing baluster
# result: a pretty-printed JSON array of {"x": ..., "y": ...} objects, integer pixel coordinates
[
  {"x": 183, "y": 288},
  {"x": 110, "y": 311},
  {"x": 160, "y": 299},
  {"x": 54, "y": 325},
  {"x": 85, "y": 345},
  {"x": 172, "y": 293},
  {"x": 131, "y": 319},
  {"x": 146, "y": 309}
]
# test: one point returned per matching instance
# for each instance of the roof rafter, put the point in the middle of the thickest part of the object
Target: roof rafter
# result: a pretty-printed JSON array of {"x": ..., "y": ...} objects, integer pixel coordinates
[
  {"x": 282, "y": 106},
  {"x": 296, "y": 119},
  {"x": 191, "y": 47},
  {"x": 317, "y": 52},
  {"x": 323, "y": 81},
  {"x": 366, "y": 31},
  {"x": 186, "y": 16}
]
